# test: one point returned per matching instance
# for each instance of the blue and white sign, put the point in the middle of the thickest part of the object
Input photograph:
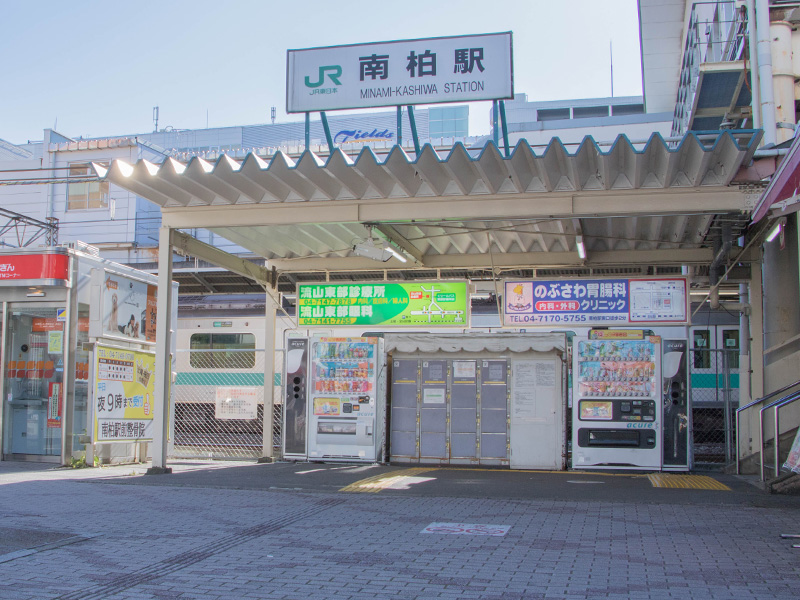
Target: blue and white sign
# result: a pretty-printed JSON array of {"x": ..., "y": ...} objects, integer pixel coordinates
[
  {"x": 595, "y": 302},
  {"x": 399, "y": 73}
]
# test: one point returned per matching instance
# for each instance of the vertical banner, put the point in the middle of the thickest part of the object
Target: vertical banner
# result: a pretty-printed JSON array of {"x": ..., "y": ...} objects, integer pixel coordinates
[
  {"x": 123, "y": 395},
  {"x": 54, "y": 404}
]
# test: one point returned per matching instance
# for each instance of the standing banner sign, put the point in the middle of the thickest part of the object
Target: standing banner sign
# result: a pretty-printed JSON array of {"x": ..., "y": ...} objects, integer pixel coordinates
[
  {"x": 399, "y": 73},
  {"x": 439, "y": 303},
  {"x": 123, "y": 395},
  {"x": 609, "y": 302},
  {"x": 793, "y": 461}
]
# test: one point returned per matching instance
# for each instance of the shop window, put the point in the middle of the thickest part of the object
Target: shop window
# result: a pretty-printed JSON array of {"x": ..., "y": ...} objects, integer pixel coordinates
[
  {"x": 702, "y": 354},
  {"x": 552, "y": 114},
  {"x": 587, "y": 112},
  {"x": 222, "y": 351},
  {"x": 85, "y": 195}
]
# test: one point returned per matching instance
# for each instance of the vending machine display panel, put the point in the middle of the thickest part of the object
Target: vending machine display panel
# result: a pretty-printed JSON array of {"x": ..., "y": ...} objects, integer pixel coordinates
[{"x": 617, "y": 403}]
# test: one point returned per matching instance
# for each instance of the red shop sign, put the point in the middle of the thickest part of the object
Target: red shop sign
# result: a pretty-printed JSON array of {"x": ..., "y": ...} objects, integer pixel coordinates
[{"x": 33, "y": 266}]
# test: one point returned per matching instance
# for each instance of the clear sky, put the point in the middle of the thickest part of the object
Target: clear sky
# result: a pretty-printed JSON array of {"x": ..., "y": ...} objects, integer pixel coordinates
[{"x": 90, "y": 68}]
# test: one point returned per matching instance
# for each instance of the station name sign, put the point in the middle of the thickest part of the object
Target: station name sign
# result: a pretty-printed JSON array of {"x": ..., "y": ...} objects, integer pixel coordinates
[
  {"x": 605, "y": 302},
  {"x": 434, "y": 303},
  {"x": 422, "y": 71}
]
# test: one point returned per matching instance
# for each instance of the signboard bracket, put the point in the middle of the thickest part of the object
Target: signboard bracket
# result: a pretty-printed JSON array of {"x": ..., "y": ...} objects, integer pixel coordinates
[
  {"x": 504, "y": 124},
  {"x": 327, "y": 132},
  {"x": 399, "y": 125},
  {"x": 413, "y": 122}
]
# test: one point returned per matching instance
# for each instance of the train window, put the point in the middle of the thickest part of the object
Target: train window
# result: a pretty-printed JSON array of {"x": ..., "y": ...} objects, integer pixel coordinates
[
  {"x": 222, "y": 351},
  {"x": 702, "y": 355},
  {"x": 730, "y": 344}
]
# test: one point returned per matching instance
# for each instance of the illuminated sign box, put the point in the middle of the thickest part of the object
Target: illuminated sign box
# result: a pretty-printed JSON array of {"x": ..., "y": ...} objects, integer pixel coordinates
[
  {"x": 595, "y": 302},
  {"x": 432, "y": 303},
  {"x": 399, "y": 73}
]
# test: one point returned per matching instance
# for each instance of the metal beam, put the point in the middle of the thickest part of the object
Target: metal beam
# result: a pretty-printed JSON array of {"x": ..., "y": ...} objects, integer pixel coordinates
[
  {"x": 187, "y": 245},
  {"x": 519, "y": 260},
  {"x": 393, "y": 235},
  {"x": 489, "y": 206}
]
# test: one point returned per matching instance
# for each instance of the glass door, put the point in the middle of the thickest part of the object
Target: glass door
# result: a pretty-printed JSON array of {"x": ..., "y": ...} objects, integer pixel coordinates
[{"x": 33, "y": 394}]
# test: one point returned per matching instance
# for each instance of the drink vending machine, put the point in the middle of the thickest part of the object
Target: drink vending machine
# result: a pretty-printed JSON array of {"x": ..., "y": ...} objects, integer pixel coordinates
[
  {"x": 347, "y": 400},
  {"x": 617, "y": 401}
]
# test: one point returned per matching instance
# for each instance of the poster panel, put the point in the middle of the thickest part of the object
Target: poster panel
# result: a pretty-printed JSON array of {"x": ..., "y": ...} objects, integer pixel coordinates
[
  {"x": 236, "y": 403},
  {"x": 400, "y": 73},
  {"x": 123, "y": 395},
  {"x": 603, "y": 302},
  {"x": 129, "y": 308},
  {"x": 439, "y": 303}
]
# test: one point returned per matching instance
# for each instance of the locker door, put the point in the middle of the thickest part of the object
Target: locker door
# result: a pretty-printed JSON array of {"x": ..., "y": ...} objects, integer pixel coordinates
[
  {"x": 405, "y": 379},
  {"x": 494, "y": 411},
  {"x": 463, "y": 412},
  {"x": 433, "y": 412}
]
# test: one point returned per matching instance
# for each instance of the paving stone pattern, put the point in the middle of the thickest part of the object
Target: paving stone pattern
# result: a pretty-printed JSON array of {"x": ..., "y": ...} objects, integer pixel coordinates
[{"x": 195, "y": 543}]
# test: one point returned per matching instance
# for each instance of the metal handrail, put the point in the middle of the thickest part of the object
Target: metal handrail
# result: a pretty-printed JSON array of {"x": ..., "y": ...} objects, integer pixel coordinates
[
  {"x": 776, "y": 406},
  {"x": 754, "y": 403},
  {"x": 777, "y": 409}
]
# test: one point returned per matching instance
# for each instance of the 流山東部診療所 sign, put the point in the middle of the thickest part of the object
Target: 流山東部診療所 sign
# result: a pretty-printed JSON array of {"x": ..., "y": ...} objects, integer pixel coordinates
[
  {"x": 433, "y": 303},
  {"x": 400, "y": 73}
]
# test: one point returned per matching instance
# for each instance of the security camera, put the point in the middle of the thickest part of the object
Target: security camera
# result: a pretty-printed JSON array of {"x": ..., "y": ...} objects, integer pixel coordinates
[{"x": 368, "y": 249}]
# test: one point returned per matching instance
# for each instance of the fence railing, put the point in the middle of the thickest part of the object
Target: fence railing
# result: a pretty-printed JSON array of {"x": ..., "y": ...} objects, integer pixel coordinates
[
  {"x": 219, "y": 404},
  {"x": 714, "y": 384}
]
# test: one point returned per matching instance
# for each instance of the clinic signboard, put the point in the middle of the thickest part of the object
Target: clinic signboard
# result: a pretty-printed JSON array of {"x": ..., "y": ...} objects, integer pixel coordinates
[
  {"x": 595, "y": 302},
  {"x": 432, "y": 303},
  {"x": 124, "y": 392},
  {"x": 405, "y": 72}
]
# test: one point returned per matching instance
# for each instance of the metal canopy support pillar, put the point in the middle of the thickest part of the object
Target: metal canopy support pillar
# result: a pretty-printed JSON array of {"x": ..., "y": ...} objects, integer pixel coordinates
[
  {"x": 269, "y": 378},
  {"x": 413, "y": 122},
  {"x": 161, "y": 400},
  {"x": 504, "y": 124},
  {"x": 399, "y": 125},
  {"x": 495, "y": 132},
  {"x": 327, "y": 133},
  {"x": 308, "y": 130}
]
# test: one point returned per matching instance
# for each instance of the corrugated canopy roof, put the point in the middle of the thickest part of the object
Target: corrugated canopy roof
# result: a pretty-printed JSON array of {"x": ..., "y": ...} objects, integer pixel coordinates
[{"x": 647, "y": 204}]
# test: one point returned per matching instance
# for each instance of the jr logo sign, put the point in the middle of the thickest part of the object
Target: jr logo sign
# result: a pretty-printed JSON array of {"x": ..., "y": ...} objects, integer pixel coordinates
[{"x": 333, "y": 71}]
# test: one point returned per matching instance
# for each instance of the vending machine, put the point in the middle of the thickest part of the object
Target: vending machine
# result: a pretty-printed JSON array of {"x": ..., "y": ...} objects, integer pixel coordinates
[
  {"x": 347, "y": 400},
  {"x": 617, "y": 401}
]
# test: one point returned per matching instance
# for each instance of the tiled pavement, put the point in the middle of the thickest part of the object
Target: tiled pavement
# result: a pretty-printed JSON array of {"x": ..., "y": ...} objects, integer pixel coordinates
[{"x": 88, "y": 537}]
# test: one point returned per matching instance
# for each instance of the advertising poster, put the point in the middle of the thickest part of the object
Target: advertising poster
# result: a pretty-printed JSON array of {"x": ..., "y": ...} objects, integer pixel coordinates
[
  {"x": 595, "y": 411},
  {"x": 129, "y": 309},
  {"x": 123, "y": 395},
  {"x": 604, "y": 302},
  {"x": 439, "y": 303},
  {"x": 55, "y": 342},
  {"x": 327, "y": 406},
  {"x": 404, "y": 72}
]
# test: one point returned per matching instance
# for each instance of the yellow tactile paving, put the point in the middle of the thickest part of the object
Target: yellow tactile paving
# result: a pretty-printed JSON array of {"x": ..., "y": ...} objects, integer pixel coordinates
[
  {"x": 372, "y": 485},
  {"x": 686, "y": 482}
]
